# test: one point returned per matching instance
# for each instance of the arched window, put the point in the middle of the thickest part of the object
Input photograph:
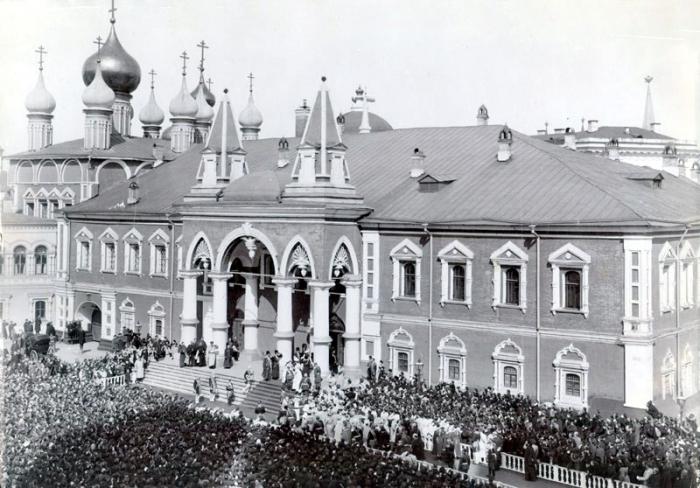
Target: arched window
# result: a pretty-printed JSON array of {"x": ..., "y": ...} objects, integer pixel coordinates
[
  {"x": 408, "y": 281},
  {"x": 19, "y": 257},
  {"x": 40, "y": 260},
  {"x": 572, "y": 290},
  {"x": 667, "y": 278},
  {"x": 456, "y": 270},
  {"x": 458, "y": 281},
  {"x": 512, "y": 286},
  {"x": 508, "y": 368},
  {"x": 573, "y": 384},
  {"x": 401, "y": 348},
  {"x": 39, "y": 310},
  {"x": 571, "y": 378},
  {"x": 452, "y": 354}
]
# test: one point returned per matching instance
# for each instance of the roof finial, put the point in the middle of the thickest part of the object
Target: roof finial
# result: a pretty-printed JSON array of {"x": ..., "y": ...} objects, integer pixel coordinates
[
  {"x": 202, "y": 45},
  {"x": 649, "y": 121},
  {"x": 648, "y": 79},
  {"x": 99, "y": 43},
  {"x": 112, "y": 20},
  {"x": 210, "y": 83},
  {"x": 184, "y": 57},
  {"x": 153, "y": 75},
  {"x": 250, "y": 82},
  {"x": 41, "y": 52}
]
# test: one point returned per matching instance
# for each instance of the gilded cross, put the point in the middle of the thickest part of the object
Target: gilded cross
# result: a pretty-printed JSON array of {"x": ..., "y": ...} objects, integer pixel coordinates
[
  {"x": 250, "y": 82},
  {"x": 210, "y": 83},
  {"x": 111, "y": 11},
  {"x": 184, "y": 57},
  {"x": 153, "y": 75},
  {"x": 41, "y": 52},
  {"x": 202, "y": 45},
  {"x": 99, "y": 43}
]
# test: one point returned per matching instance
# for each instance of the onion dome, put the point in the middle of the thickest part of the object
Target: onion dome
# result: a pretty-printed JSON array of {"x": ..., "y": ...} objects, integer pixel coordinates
[
  {"x": 39, "y": 100},
  {"x": 183, "y": 105},
  {"x": 120, "y": 71},
  {"x": 98, "y": 94},
  {"x": 250, "y": 116},
  {"x": 208, "y": 95},
  {"x": 151, "y": 113},
  {"x": 204, "y": 111}
]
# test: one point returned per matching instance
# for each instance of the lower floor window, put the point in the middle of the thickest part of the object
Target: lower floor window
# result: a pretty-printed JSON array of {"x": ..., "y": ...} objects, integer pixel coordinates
[
  {"x": 573, "y": 385},
  {"x": 39, "y": 310},
  {"x": 402, "y": 362},
  {"x": 510, "y": 377},
  {"x": 159, "y": 327},
  {"x": 454, "y": 370}
]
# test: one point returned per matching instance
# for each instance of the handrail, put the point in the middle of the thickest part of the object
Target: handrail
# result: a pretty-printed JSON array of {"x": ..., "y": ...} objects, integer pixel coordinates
[{"x": 119, "y": 379}]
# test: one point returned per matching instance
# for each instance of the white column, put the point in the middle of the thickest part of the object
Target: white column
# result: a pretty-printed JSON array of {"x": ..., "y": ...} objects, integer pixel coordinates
[
  {"x": 250, "y": 315},
  {"x": 321, "y": 337},
  {"x": 285, "y": 327},
  {"x": 220, "y": 305},
  {"x": 188, "y": 318},
  {"x": 352, "y": 333}
]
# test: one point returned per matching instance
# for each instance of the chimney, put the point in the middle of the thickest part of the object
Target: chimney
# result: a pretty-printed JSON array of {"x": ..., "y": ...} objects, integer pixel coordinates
[
  {"x": 592, "y": 125},
  {"x": 653, "y": 126},
  {"x": 282, "y": 153},
  {"x": 612, "y": 149},
  {"x": 541, "y": 132},
  {"x": 505, "y": 140},
  {"x": 482, "y": 116},
  {"x": 570, "y": 138},
  {"x": 670, "y": 157},
  {"x": 157, "y": 155},
  {"x": 301, "y": 115},
  {"x": 340, "y": 120},
  {"x": 417, "y": 163},
  {"x": 558, "y": 130},
  {"x": 133, "y": 193}
]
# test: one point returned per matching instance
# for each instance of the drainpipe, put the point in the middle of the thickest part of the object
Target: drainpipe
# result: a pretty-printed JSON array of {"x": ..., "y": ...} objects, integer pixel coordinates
[
  {"x": 679, "y": 268},
  {"x": 537, "y": 312},
  {"x": 430, "y": 306},
  {"x": 173, "y": 269}
]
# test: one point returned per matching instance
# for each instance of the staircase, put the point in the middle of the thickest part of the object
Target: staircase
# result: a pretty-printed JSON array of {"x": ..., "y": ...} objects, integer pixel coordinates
[{"x": 169, "y": 376}]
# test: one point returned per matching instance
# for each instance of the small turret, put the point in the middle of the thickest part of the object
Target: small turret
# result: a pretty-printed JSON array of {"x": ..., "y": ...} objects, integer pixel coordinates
[
  {"x": 482, "y": 116},
  {"x": 183, "y": 109},
  {"x": 151, "y": 115},
  {"x": 505, "y": 141},
  {"x": 98, "y": 99},
  {"x": 40, "y": 105},
  {"x": 250, "y": 118}
]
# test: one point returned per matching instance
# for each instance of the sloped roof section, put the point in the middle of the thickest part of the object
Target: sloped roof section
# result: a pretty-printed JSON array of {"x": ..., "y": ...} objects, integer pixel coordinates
[
  {"x": 224, "y": 121},
  {"x": 606, "y": 132},
  {"x": 314, "y": 127}
]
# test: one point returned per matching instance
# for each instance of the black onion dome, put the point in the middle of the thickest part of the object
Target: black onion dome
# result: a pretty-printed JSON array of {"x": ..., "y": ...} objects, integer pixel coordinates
[{"x": 120, "y": 71}]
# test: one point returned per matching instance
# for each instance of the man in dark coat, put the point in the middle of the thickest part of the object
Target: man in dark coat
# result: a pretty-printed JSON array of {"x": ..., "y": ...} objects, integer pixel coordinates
[
  {"x": 276, "y": 365},
  {"x": 267, "y": 367},
  {"x": 371, "y": 370},
  {"x": 228, "y": 355},
  {"x": 81, "y": 339}
]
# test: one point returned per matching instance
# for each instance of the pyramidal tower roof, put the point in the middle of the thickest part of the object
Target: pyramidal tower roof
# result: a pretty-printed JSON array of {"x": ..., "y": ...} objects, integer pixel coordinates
[
  {"x": 649, "y": 121},
  {"x": 321, "y": 130},
  {"x": 223, "y": 136}
]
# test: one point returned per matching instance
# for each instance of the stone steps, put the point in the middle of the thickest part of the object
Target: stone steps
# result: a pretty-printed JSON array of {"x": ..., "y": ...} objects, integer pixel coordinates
[{"x": 171, "y": 377}]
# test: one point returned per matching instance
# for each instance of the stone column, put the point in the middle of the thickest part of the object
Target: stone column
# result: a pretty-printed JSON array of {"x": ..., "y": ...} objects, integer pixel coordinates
[
  {"x": 219, "y": 326},
  {"x": 188, "y": 318},
  {"x": 285, "y": 327},
  {"x": 250, "y": 316},
  {"x": 352, "y": 335},
  {"x": 321, "y": 338}
]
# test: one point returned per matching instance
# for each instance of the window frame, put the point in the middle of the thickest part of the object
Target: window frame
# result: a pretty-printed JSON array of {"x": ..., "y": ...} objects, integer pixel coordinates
[
  {"x": 506, "y": 256},
  {"x": 503, "y": 359},
  {"x": 566, "y": 259},
  {"x": 156, "y": 312},
  {"x": 396, "y": 345},
  {"x": 127, "y": 313},
  {"x": 455, "y": 254},
  {"x": 451, "y": 347},
  {"x": 667, "y": 279},
  {"x": 83, "y": 258},
  {"x": 45, "y": 260},
  {"x": 19, "y": 267},
  {"x": 668, "y": 376},
  {"x": 159, "y": 239},
  {"x": 564, "y": 366},
  {"x": 133, "y": 237},
  {"x": 687, "y": 276},
  {"x": 109, "y": 237},
  {"x": 404, "y": 252}
]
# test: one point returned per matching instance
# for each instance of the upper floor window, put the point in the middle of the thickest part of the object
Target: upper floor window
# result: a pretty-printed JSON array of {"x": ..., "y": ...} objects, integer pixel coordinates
[
  {"x": 456, "y": 272},
  {"x": 40, "y": 260},
  {"x": 108, "y": 242},
  {"x": 370, "y": 283},
  {"x": 667, "y": 278},
  {"x": 159, "y": 242},
  {"x": 19, "y": 257},
  {"x": 132, "y": 251},
  {"x": 406, "y": 258},
  {"x": 84, "y": 249},
  {"x": 570, "y": 266},
  {"x": 509, "y": 276},
  {"x": 687, "y": 281}
]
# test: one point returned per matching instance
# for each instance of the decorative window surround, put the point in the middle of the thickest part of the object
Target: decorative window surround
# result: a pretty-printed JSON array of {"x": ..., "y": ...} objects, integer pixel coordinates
[
  {"x": 687, "y": 258},
  {"x": 508, "y": 354},
  {"x": 455, "y": 253},
  {"x": 132, "y": 252},
  {"x": 452, "y": 347},
  {"x": 568, "y": 258},
  {"x": 109, "y": 241},
  {"x": 668, "y": 376},
  {"x": 667, "y": 278},
  {"x": 403, "y": 253},
  {"x": 127, "y": 314},
  {"x": 156, "y": 313},
  {"x": 159, "y": 259},
  {"x": 687, "y": 373},
  {"x": 506, "y": 256},
  {"x": 570, "y": 361},
  {"x": 83, "y": 242},
  {"x": 399, "y": 342},
  {"x": 638, "y": 292},
  {"x": 370, "y": 269}
]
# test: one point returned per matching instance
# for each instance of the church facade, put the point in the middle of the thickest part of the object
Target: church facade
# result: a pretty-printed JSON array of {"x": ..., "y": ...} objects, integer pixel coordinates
[{"x": 474, "y": 255}]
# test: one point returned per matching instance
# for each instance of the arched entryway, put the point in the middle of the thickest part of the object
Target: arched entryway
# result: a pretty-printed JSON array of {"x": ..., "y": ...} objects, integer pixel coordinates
[{"x": 90, "y": 317}]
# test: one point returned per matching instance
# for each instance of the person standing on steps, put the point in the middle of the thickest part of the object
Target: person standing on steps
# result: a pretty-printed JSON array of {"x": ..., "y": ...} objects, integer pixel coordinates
[
  {"x": 182, "y": 349},
  {"x": 267, "y": 366},
  {"x": 81, "y": 339},
  {"x": 231, "y": 397},
  {"x": 212, "y": 388},
  {"x": 275, "y": 359},
  {"x": 195, "y": 387}
]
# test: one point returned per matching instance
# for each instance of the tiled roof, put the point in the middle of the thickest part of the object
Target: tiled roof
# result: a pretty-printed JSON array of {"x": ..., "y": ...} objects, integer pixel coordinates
[
  {"x": 541, "y": 184},
  {"x": 606, "y": 132},
  {"x": 138, "y": 148}
]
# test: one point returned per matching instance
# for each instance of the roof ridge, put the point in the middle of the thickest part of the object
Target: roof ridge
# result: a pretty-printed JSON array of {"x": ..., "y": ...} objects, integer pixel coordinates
[{"x": 585, "y": 178}]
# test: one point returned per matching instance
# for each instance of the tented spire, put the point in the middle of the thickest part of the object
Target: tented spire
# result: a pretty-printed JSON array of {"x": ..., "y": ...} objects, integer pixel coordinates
[{"x": 649, "y": 121}]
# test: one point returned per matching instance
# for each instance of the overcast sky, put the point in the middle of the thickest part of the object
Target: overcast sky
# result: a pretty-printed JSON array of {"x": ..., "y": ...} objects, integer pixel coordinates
[{"x": 427, "y": 63}]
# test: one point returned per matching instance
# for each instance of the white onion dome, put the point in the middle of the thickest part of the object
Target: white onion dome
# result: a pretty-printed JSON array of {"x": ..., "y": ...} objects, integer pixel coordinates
[
  {"x": 183, "y": 105},
  {"x": 151, "y": 113},
  {"x": 204, "y": 112},
  {"x": 208, "y": 95},
  {"x": 250, "y": 116},
  {"x": 120, "y": 71},
  {"x": 39, "y": 100},
  {"x": 97, "y": 94}
]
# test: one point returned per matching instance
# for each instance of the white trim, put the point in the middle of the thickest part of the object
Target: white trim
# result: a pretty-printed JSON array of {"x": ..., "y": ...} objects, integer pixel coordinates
[
  {"x": 668, "y": 375},
  {"x": 396, "y": 345},
  {"x": 687, "y": 279},
  {"x": 447, "y": 352},
  {"x": 370, "y": 277},
  {"x": 667, "y": 278},
  {"x": 245, "y": 230},
  {"x": 133, "y": 237},
  {"x": 404, "y": 252},
  {"x": 509, "y": 254},
  {"x": 502, "y": 360},
  {"x": 688, "y": 385},
  {"x": 285, "y": 265},
  {"x": 127, "y": 315},
  {"x": 455, "y": 253},
  {"x": 159, "y": 238},
  {"x": 83, "y": 262},
  {"x": 564, "y": 367},
  {"x": 343, "y": 240},
  {"x": 156, "y": 312},
  {"x": 569, "y": 257},
  {"x": 109, "y": 236}
]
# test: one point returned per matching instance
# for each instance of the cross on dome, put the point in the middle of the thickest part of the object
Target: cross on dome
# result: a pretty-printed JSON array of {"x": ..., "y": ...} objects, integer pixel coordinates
[
  {"x": 41, "y": 51},
  {"x": 184, "y": 57},
  {"x": 99, "y": 43},
  {"x": 250, "y": 82},
  {"x": 210, "y": 83},
  {"x": 111, "y": 11},
  {"x": 202, "y": 45},
  {"x": 153, "y": 75}
]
